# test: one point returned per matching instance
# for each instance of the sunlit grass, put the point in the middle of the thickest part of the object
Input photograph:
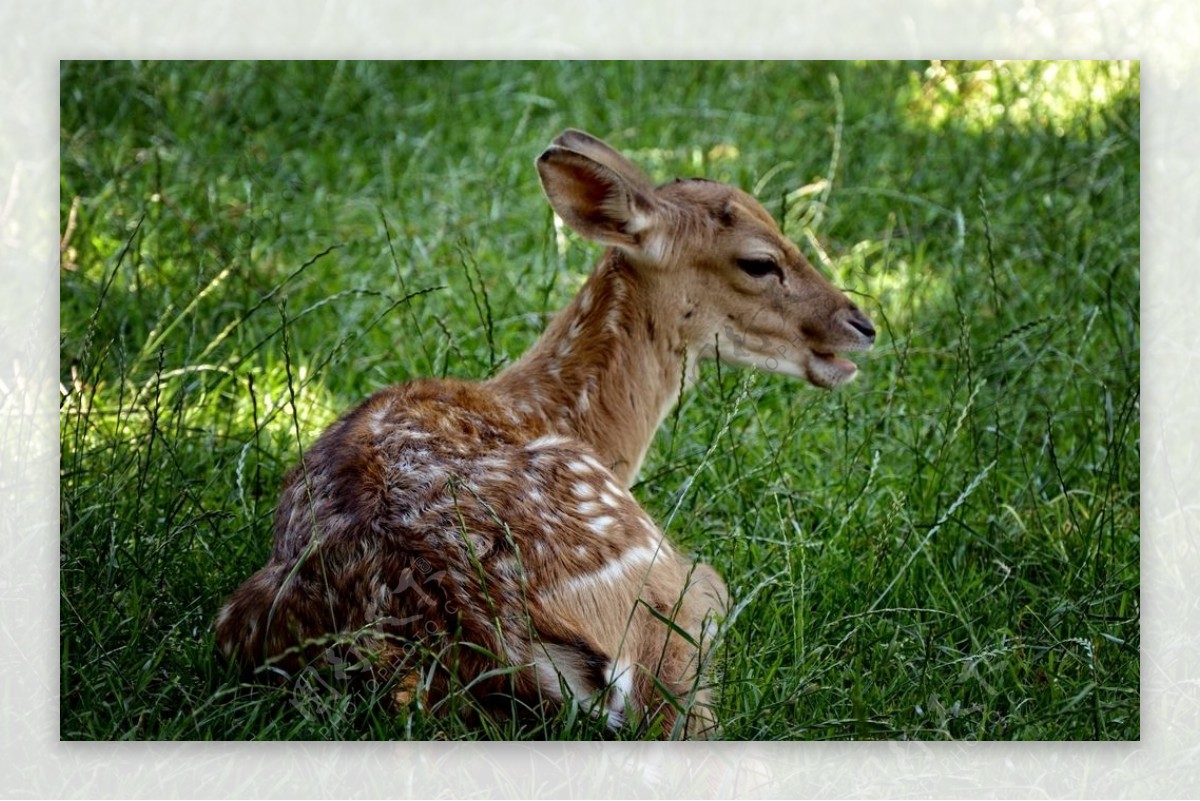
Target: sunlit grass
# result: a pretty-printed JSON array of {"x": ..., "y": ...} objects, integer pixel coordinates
[
  {"x": 1023, "y": 94},
  {"x": 948, "y": 548}
]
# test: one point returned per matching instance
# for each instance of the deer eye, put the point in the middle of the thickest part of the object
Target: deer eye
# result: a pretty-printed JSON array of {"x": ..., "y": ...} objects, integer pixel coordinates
[{"x": 760, "y": 268}]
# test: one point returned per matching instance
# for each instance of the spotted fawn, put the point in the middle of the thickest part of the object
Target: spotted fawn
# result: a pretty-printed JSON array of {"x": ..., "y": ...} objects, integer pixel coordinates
[{"x": 479, "y": 537}]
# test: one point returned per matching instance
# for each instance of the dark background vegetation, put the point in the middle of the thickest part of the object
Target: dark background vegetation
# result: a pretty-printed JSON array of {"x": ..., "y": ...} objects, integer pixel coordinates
[{"x": 948, "y": 548}]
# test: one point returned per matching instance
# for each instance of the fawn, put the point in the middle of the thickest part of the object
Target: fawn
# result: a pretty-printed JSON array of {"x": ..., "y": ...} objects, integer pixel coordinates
[{"x": 491, "y": 522}]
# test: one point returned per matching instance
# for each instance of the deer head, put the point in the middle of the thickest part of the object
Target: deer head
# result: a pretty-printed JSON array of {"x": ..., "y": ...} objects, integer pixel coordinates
[{"x": 711, "y": 264}]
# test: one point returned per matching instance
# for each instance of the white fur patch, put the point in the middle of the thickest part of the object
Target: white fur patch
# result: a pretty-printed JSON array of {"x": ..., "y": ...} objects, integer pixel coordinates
[
  {"x": 638, "y": 222},
  {"x": 612, "y": 322},
  {"x": 592, "y": 462},
  {"x": 601, "y": 524},
  {"x": 620, "y": 694},
  {"x": 547, "y": 441},
  {"x": 614, "y": 570},
  {"x": 656, "y": 247},
  {"x": 378, "y": 419}
]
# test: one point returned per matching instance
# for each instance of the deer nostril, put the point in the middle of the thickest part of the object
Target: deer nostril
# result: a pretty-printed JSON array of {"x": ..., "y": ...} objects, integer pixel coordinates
[{"x": 859, "y": 322}]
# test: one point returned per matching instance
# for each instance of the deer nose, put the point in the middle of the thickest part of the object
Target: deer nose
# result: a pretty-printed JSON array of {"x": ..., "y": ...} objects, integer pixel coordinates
[{"x": 860, "y": 323}]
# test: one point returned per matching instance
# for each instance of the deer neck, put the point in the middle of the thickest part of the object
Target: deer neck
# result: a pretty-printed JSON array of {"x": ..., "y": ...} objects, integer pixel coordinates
[{"x": 609, "y": 367}]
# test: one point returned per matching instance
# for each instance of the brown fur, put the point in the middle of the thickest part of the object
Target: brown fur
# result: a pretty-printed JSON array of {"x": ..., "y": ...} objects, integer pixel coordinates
[{"x": 490, "y": 523}]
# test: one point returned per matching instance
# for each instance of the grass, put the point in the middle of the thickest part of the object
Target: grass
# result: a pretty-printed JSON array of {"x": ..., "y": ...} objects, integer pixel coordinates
[{"x": 947, "y": 549}]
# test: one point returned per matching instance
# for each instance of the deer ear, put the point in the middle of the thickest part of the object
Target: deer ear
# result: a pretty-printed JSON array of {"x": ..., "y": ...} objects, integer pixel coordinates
[{"x": 597, "y": 191}]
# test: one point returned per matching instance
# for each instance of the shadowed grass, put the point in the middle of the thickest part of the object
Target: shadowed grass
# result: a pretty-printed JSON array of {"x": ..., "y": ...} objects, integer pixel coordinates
[{"x": 946, "y": 549}]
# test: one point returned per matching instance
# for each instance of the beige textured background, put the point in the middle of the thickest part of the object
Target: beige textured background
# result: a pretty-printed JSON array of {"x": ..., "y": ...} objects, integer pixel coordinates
[{"x": 1161, "y": 34}]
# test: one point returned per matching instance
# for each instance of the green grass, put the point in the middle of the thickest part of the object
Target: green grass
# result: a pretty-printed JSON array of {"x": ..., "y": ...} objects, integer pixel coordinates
[{"x": 947, "y": 548}]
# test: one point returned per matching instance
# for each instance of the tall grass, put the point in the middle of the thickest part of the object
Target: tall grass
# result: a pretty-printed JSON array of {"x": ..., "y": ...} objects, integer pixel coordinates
[{"x": 946, "y": 549}]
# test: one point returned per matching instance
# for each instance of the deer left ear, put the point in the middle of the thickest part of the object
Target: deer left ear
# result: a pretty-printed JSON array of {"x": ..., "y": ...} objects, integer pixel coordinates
[{"x": 596, "y": 191}]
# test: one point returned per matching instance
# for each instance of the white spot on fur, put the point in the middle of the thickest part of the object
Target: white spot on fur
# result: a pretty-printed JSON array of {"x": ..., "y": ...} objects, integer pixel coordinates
[
  {"x": 592, "y": 462},
  {"x": 493, "y": 463},
  {"x": 601, "y": 524},
  {"x": 493, "y": 477},
  {"x": 547, "y": 441},
  {"x": 379, "y": 418},
  {"x": 614, "y": 570},
  {"x": 612, "y": 321},
  {"x": 584, "y": 490},
  {"x": 579, "y": 466}
]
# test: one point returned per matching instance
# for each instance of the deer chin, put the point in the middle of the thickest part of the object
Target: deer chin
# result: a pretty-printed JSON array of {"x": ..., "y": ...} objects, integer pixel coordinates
[
  {"x": 736, "y": 354},
  {"x": 824, "y": 369},
  {"x": 828, "y": 370},
  {"x": 819, "y": 368}
]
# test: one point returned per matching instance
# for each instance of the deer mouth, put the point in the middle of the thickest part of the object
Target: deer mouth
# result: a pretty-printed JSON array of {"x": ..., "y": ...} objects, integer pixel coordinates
[{"x": 827, "y": 369}]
